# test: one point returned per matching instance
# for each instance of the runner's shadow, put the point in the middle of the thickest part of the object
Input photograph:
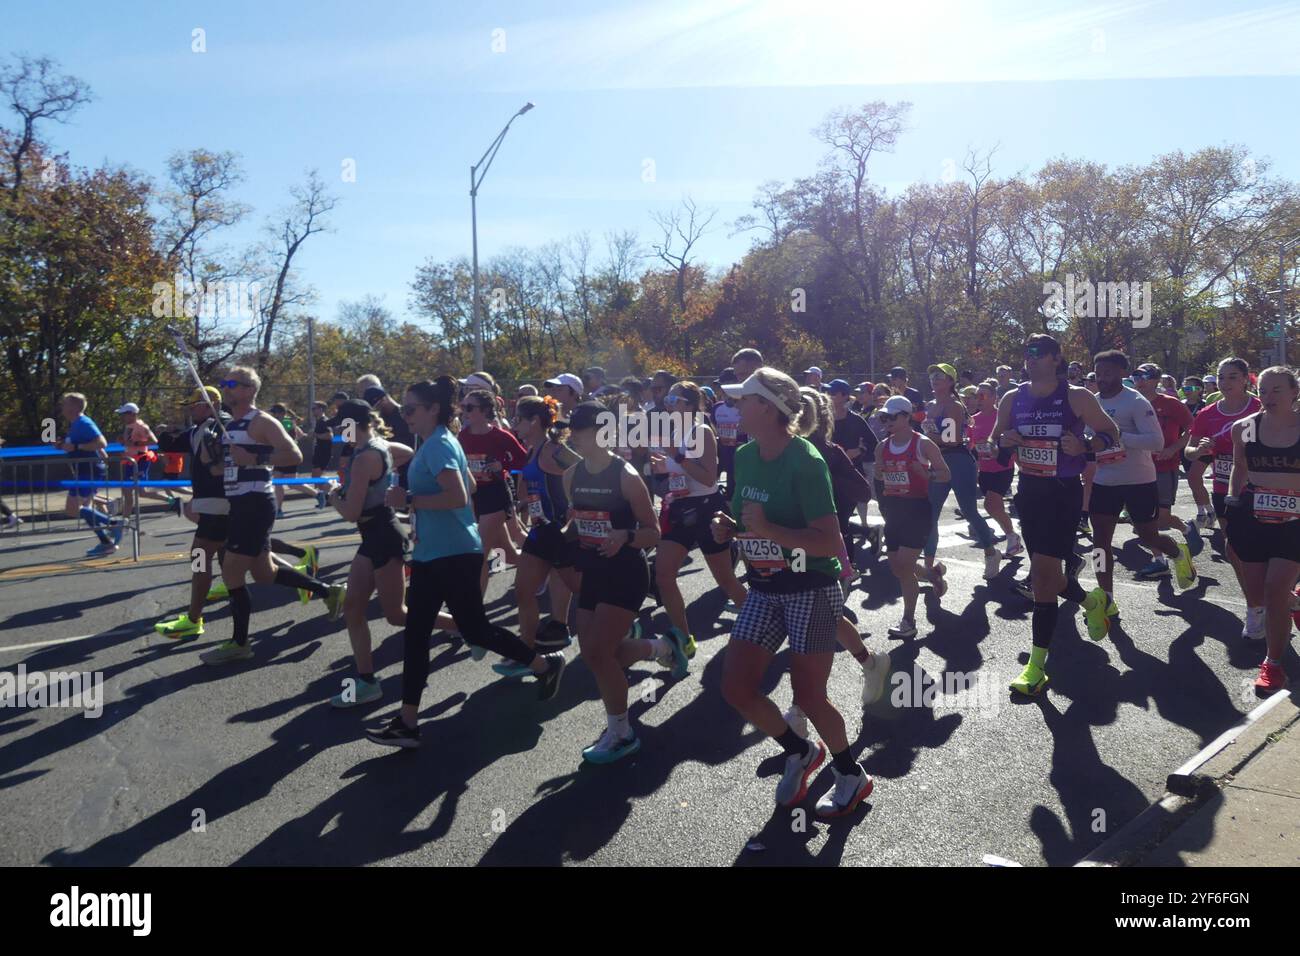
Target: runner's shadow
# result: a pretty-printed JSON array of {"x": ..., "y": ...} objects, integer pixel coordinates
[
  {"x": 65, "y": 611},
  {"x": 564, "y": 825}
]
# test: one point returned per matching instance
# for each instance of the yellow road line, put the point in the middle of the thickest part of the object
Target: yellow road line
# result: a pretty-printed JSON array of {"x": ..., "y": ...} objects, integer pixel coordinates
[{"x": 68, "y": 567}]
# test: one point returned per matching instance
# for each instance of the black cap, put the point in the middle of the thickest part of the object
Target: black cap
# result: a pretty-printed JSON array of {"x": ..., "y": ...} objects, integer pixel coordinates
[
  {"x": 587, "y": 415},
  {"x": 374, "y": 394},
  {"x": 727, "y": 376},
  {"x": 1045, "y": 342},
  {"x": 357, "y": 410},
  {"x": 340, "y": 397},
  {"x": 898, "y": 372}
]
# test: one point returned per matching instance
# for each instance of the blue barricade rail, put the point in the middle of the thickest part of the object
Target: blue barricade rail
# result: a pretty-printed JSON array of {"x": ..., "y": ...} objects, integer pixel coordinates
[
  {"x": 54, "y": 451},
  {"x": 151, "y": 483}
]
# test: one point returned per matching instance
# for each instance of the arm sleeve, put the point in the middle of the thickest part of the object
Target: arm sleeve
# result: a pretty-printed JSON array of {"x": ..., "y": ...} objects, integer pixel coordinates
[{"x": 1148, "y": 437}]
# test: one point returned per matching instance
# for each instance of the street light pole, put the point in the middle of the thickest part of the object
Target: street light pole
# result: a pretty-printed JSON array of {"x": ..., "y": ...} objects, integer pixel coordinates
[
  {"x": 1281, "y": 297},
  {"x": 476, "y": 180}
]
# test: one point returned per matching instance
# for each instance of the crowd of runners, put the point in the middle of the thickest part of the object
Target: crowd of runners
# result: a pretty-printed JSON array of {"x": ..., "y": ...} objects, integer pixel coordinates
[{"x": 599, "y": 490}]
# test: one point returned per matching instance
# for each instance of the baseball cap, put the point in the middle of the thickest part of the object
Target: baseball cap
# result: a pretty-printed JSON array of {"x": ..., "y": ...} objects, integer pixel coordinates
[
  {"x": 861, "y": 385},
  {"x": 1148, "y": 370},
  {"x": 587, "y": 415},
  {"x": 566, "y": 378},
  {"x": 945, "y": 368},
  {"x": 897, "y": 403},
  {"x": 373, "y": 395},
  {"x": 839, "y": 385},
  {"x": 129, "y": 407},
  {"x": 340, "y": 397},
  {"x": 212, "y": 395},
  {"x": 1043, "y": 343},
  {"x": 898, "y": 372},
  {"x": 594, "y": 370},
  {"x": 475, "y": 381},
  {"x": 969, "y": 391},
  {"x": 356, "y": 409},
  {"x": 727, "y": 376},
  {"x": 754, "y": 386},
  {"x": 812, "y": 370}
]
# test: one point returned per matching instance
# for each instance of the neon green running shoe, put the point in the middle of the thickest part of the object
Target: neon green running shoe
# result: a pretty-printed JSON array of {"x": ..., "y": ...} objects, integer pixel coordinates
[
  {"x": 218, "y": 591},
  {"x": 180, "y": 627},
  {"x": 310, "y": 564},
  {"x": 1031, "y": 681},
  {"x": 1095, "y": 608},
  {"x": 688, "y": 642},
  {"x": 1184, "y": 570}
]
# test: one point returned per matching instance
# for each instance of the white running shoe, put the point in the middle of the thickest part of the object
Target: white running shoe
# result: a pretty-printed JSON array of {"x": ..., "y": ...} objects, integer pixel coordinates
[
  {"x": 843, "y": 798},
  {"x": 1014, "y": 546},
  {"x": 905, "y": 628},
  {"x": 1254, "y": 627},
  {"x": 797, "y": 720},
  {"x": 992, "y": 564},
  {"x": 794, "y": 781},
  {"x": 875, "y": 672}
]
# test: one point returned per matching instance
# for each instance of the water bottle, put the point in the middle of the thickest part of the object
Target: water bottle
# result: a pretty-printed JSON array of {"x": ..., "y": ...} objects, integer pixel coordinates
[{"x": 393, "y": 479}]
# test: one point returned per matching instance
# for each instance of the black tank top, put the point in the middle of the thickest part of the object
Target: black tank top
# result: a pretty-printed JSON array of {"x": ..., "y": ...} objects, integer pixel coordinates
[
  {"x": 599, "y": 503},
  {"x": 1265, "y": 459}
]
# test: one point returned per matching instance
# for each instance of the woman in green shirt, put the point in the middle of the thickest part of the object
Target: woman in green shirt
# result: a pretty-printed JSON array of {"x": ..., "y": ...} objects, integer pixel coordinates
[{"x": 789, "y": 536}]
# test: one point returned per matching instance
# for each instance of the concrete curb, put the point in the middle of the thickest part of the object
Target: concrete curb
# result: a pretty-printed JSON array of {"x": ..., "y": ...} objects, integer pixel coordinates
[{"x": 1192, "y": 783}]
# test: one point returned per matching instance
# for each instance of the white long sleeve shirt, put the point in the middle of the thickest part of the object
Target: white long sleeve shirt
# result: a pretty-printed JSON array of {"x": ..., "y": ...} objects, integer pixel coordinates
[{"x": 1140, "y": 435}]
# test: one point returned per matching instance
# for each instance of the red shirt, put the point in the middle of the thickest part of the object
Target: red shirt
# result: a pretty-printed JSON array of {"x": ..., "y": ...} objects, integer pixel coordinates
[
  {"x": 898, "y": 479},
  {"x": 496, "y": 444},
  {"x": 1210, "y": 422},
  {"x": 1173, "y": 416}
]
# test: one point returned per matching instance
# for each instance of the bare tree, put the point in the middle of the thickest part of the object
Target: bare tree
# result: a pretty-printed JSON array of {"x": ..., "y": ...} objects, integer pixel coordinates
[
  {"x": 36, "y": 91},
  {"x": 682, "y": 229},
  {"x": 303, "y": 219}
]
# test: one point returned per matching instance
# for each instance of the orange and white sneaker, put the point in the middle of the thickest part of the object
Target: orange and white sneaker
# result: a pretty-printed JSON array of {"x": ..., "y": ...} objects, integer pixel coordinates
[
  {"x": 1272, "y": 678},
  {"x": 843, "y": 798}
]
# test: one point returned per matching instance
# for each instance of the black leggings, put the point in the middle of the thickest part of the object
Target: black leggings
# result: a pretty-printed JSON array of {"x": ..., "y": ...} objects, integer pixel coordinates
[{"x": 452, "y": 581}]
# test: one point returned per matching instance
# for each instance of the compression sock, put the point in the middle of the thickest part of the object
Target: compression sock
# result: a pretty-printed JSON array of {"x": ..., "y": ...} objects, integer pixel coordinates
[
  {"x": 241, "y": 609},
  {"x": 293, "y": 578},
  {"x": 1044, "y": 624},
  {"x": 284, "y": 547}
]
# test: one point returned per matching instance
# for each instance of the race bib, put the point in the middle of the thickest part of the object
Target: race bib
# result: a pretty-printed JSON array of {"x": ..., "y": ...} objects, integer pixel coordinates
[
  {"x": 593, "y": 527},
  {"x": 1275, "y": 505},
  {"x": 763, "y": 555},
  {"x": 535, "y": 507},
  {"x": 896, "y": 478},
  {"x": 231, "y": 475},
  {"x": 1112, "y": 455},
  {"x": 1222, "y": 467},
  {"x": 478, "y": 467},
  {"x": 1037, "y": 457},
  {"x": 727, "y": 433},
  {"x": 677, "y": 482},
  {"x": 985, "y": 450}
]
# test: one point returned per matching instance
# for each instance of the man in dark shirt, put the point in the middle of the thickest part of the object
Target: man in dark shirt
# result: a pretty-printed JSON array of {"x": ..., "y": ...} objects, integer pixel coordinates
[
  {"x": 898, "y": 384},
  {"x": 391, "y": 413},
  {"x": 851, "y": 430}
]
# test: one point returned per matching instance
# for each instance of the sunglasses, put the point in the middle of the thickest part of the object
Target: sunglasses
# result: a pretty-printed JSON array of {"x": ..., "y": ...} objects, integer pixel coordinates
[
  {"x": 886, "y": 417},
  {"x": 234, "y": 383},
  {"x": 470, "y": 406},
  {"x": 409, "y": 410},
  {"x": 1036, "y": 353},
  {"x": 1191, "y": 388}
]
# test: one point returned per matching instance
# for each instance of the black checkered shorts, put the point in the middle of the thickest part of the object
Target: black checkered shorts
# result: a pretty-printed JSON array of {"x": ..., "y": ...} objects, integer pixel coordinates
[{"x": 808, "y": 618}]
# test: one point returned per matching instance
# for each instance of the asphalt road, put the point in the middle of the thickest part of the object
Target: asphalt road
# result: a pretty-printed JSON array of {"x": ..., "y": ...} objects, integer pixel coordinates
[{"x": 189, "y": 764}]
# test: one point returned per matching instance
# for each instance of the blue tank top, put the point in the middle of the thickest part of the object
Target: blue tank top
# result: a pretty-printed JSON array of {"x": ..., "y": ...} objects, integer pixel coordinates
[
  {"x": 1041, "y": 422},
  {"x": 545, "y": 491}
]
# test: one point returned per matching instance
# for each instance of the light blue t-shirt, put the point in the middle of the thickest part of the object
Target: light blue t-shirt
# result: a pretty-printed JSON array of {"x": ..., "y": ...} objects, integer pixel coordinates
[{"x": 442, "y": 533}]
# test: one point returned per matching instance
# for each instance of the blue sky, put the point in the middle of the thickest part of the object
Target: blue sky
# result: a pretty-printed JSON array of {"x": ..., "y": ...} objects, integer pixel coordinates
[{"x": 720, "y": 94}]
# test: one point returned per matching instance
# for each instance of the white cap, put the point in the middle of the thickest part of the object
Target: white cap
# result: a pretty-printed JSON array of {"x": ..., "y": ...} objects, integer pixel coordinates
[
  {"x": 754, "y": 386},
  {"x": 897, "y": 403},
  {"x": 814, "y": 370},
  {"x": 131, "y": 407},
  {"x": 569, "y": 379},
  {"x": 475, "y": 381}
]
